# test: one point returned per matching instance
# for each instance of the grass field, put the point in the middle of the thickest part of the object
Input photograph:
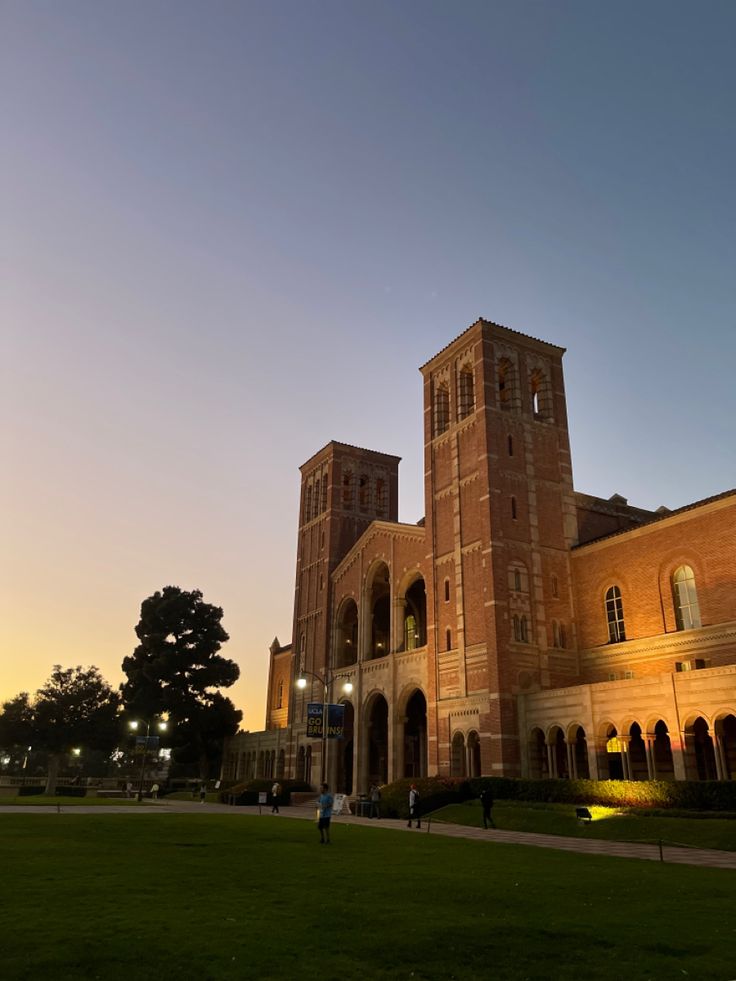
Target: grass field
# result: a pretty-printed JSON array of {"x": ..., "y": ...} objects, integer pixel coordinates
[
  {"x": 608, "y": 823},
  {"x": 40, "y": 800},
  {"x": 233, "y": 896}
]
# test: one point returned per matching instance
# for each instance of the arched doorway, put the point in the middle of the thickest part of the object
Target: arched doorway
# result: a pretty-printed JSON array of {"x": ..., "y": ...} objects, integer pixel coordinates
[
  {"x": 638, "y": 768},
  {"x": 664, "y": 766},
  {"x": 346, "y": 642},
  {"x": 344, "y": 752},
  {"x": 613, "y": 750},
  {"x": 580, "y": 755},
  {"x": 700, "y": 755},
  {"x": 415, "y": 736},
  {"x": 415, "y": 616},
  {"x": 308, "y": 765},
  {"x": 457, "y": 757},
  {"x": 473, "y": 754},
  {"x": 538, "y": 769},
  {"x": 301, "y": 769},
  {"x": 379, "y": 594},
  {"x": 281, "y": 765},
  {"x": 559, "y": 754},
  {"x": 726, "y": 732},
  {"x": 377, "y": 731}
]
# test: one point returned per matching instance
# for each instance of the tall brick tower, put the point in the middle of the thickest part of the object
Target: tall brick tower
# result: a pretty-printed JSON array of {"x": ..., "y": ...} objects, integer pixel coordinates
[
  {"x": 500, "y": 521},
  {"x": 344, "y": 488}
]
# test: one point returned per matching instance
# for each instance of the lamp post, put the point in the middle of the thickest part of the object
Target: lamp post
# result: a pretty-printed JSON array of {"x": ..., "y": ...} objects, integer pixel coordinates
[
  {"x": 326, "y": 679},
  {"x": 134, "y": 723}
]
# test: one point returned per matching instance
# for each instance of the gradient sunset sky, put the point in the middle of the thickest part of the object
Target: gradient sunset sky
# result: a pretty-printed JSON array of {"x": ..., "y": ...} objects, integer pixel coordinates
[{"x": 233, "y": 231}]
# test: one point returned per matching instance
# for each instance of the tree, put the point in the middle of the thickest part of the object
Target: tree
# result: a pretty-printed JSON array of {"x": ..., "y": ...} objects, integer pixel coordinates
[
  {"x": 176, "y": 670},
  {"x": 76, "y": 707},
  {"x": 16, "y": 723}
]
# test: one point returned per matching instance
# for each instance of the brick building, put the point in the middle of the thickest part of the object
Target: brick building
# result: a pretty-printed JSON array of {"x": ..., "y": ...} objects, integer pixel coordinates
[{"x": 521, "y": 627}]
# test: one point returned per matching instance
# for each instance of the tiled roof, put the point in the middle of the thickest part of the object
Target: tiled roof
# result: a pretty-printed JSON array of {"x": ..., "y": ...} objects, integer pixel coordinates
[
  {"x": 661, "y": 517},
  {"x": 490, "y": 323},
  {"x": 348, "y": 446}
]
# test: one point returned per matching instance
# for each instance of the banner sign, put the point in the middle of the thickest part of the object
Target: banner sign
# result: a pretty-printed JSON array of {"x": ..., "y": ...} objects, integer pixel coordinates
[
  {"x": 335, "y": 720},
  {"x": 146, "y": 744}
]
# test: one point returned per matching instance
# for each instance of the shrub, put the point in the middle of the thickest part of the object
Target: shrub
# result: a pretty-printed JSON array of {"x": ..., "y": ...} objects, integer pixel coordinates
[
  {"x": 434, "y": 792},
  {"x": 247, "y": 792}
]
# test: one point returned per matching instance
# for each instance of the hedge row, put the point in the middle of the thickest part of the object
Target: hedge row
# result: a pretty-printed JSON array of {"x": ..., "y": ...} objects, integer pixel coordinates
[
  {"x": 436, "y": 792},
  {"x": 248, "y": 791}
]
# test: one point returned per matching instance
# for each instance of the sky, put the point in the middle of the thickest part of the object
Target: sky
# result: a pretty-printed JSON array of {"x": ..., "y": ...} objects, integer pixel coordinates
[{"x": 232, "y": 231}]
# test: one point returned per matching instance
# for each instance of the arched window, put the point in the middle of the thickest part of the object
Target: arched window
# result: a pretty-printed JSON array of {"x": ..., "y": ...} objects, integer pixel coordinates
[
  {"x": 302, "y": 651},
  {"x": 380, "y": 495},
  {"x": 364, "y": 492},
  {"x": 540, "y": 394},
  {"x": 518, "y": 578},
  {"x": 410, "y": 633},
  {"x": 505, "y": 383},
  {"x": 511, "y": 445},
  {"x": 280, "y": 696},
  {"x": 447, "y": 590},
  {"x": 323, "y": 494},
  {"x": 308, "y": 503},
  {"x": 687, "y": 610},
  {"x": 521, "y": 629},
  {"x": 347, "y": 489},
  {"x": 615, "y": 616},
  {"x": 563, "y": 636},
  {"x": 441, "y": 409},
  {"x": 555, "y": 586},
  {"x": 555, "y": 634},
  {"x": 513, "y": 508},
  {"x": 448, "y": 639},
  {"x": 465, "y": 395}
]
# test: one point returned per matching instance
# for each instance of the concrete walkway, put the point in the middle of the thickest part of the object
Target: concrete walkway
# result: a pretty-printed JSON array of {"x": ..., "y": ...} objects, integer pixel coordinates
[{"x": 618, "y": 849}]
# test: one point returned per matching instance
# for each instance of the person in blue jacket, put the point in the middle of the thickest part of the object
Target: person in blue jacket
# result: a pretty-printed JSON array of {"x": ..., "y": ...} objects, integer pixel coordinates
[{"x": 325, "y": 815}]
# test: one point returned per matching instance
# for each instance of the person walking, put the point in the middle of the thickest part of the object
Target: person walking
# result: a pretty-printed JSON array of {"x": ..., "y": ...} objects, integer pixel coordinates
[
  {"x": 154, "y": 791},
  {"x": 203, "y": 793},
  {"x": 486, "y": 799},
  {"x": 414, "y": 806},
  {"x": 326, "y": 801},
  {"x": 275, "y": 794},
  {"x": 375, "y": 793}
]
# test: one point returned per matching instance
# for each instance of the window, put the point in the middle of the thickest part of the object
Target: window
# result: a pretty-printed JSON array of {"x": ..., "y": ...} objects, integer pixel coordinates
[
  {"x": 465, "y": 395},
  {"x": 511, "y": 445},
  {"x": 323, "y": 494},
  {"x": 687, "y": 610},
  {"x": 347, "y": 489},
  {"x": 321, "y": 581},
  {"x": 513, "y": 508},
  {"x": 555, "y": 587},
  {"x": 518, "y": 578},
  {"x": 448, "y": 639},
  {"x": 364, "y": 490},
  {"x": 441, "y": 409},
  {"x": 563, "y": 636},
  {"x": 505, "y": 383},
  {"x": 380, "y": 495},
  {"x": 447, "y": 590},
  {"x": 521, "y": 629},
  {"x": 280, "y": 696},
  {"x": 308, "y": 503},
  {"x": 540, "y": 394},
  {"x": 555, "y": 634},
  {"x": 615, "y": 616}
]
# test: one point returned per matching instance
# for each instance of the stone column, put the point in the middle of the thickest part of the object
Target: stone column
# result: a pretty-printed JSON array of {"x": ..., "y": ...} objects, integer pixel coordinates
[
  {"x": 651, "y": 762},
  {"x": 551, "y": 761},
  {"x": 625, "y": 762},
  {"x": 571, "y": 762},
  {"x": 718, "y": 753}
]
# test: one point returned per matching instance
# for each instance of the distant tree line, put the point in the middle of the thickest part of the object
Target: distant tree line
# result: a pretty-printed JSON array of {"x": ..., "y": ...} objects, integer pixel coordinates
[{"x": 174, "y": 673}]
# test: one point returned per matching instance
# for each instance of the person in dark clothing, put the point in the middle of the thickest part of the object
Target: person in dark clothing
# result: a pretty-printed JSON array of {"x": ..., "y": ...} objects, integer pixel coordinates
[
  {"x": 414, "y": 806},
  {"x": 486, "y": 799}
]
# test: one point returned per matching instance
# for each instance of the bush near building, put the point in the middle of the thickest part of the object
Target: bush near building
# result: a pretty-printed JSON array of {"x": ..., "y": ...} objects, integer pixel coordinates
[
  {"x": 248, "y": 791},
  {"x": 436, "y": 792}
]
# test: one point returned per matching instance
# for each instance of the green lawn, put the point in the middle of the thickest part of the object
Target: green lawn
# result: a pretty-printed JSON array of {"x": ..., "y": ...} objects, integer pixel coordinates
[
  {"x": 608, "y": 823},
  {"x": 236, "y": 896},
  {"x": 39, "y": 800}
]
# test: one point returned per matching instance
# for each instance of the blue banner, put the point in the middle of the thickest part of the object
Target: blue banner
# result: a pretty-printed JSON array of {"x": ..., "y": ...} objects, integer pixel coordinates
[{"x": 335, "y": 720}]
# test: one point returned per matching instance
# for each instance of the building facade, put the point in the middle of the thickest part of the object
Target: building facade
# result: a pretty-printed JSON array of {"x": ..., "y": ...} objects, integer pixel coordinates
[{"x": 520, "y": 628}]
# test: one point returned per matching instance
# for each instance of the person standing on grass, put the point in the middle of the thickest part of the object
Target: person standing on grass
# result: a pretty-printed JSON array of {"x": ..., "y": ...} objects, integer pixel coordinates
[
  {"x": 275, "y": 794},
  {"x": 202, "y": 794},
  {"x": 154, "y": 791},
  {"x": 486, "y": 799},
  {"x": 375, "y": 801},
  {"x": 414, "y": 806},
  {"x": 325, "y": 815}
]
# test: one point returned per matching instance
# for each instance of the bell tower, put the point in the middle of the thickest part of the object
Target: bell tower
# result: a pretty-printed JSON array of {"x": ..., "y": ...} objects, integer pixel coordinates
[{"x": 500, "y": 523}]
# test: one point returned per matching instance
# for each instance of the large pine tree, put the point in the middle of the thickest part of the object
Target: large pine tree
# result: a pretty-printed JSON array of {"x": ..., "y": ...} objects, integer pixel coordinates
[{"x": 176, "y": 670}]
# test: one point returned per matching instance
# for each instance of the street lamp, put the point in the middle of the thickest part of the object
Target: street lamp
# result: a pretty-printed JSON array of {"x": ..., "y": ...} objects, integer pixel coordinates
[
  {"x": 133, "y": 724},
  {"x": 327, "y": 679}
]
